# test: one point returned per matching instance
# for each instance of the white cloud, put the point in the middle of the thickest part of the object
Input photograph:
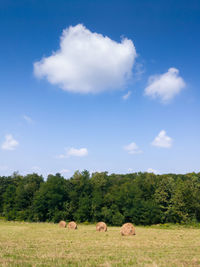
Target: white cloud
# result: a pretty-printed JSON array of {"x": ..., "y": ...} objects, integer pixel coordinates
[
  {"x": 10, "y": 143},
  {"x": 78, "y": 152},
  {"x": 61, "y": 156},
  {"x": 130, "y": 170},
  {"x": 150, "y": 170},
  {"x": 162, "y": 140},
  {"x": 126, "y": 96},
  {"x": 165, "y": 86},
  {"x": 138, "y": 70},
  {"x": 82, "y": 152},
  {"x": 87, "y": 62},
  {"x": 27, "y": 119},
  {"x": 132, "y": 148}
]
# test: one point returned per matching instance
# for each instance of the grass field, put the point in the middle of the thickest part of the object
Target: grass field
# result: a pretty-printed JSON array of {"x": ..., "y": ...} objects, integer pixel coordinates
[{"x": 45, "y": 244}]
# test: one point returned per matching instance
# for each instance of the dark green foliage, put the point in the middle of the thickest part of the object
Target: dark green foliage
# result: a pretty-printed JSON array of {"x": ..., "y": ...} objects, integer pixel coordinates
[
  {"x": 50, "y": 198},
  {"x": 9, "y": 203},
  {"x": 141, "y": 198}
]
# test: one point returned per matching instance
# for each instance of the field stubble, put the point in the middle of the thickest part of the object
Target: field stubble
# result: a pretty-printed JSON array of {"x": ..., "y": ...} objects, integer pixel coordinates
[{"x": 45, "y": 244}]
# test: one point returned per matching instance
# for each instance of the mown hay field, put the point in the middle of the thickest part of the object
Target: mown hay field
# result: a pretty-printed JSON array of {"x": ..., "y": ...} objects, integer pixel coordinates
[{"x": 46, "y": 244}]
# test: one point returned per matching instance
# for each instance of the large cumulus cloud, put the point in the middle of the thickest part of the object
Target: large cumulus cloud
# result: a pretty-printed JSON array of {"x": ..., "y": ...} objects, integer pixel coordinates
[{"x": 87, "y": 62}]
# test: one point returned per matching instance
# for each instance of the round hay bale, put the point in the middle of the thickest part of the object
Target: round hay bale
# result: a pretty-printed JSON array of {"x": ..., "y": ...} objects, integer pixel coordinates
[
  {"x": 101, "y": 227},
  {"x": 127, "y": 229},
  {"x": 62, "y": 224},
  {"x": 72, "y": 225}
]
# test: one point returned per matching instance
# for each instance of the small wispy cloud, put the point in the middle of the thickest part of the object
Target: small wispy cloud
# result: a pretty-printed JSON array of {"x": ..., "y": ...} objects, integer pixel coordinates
[
  {"x": 139, "y": 70},
  {"x": 78, "y": 152},
  {"x": 82, "y": 152},
  {"x": 126, "y": 96},
  {"x": 162, "y": 140},
  {"x": 10, "y": 143},
  {"x": 61, "y": 156},
  {"x": 132, "y": 148},
  {"x": 27, "y": 119}
]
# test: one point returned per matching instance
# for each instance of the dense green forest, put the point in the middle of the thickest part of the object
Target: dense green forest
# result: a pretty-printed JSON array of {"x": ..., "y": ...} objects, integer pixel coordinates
[{"x": 141, "y": 198}]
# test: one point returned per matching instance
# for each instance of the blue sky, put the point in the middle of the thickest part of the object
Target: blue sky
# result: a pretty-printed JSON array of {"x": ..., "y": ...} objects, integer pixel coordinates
[{"x": 122, "y": 95}]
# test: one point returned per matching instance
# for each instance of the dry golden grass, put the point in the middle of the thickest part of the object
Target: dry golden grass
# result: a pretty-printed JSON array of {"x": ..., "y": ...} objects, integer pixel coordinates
[{"x": 44, "y": 244}]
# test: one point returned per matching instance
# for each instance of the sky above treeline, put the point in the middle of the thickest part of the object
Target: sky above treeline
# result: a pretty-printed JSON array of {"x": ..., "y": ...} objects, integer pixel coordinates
[{"x": 99, "y": 85}]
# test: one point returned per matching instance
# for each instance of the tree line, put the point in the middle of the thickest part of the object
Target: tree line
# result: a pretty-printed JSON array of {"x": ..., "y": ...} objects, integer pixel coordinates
[{"x": 140, "y": 198}]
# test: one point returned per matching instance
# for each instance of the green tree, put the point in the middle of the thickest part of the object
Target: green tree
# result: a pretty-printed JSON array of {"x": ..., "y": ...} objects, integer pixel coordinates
[{"x": 50, "y": 199}]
